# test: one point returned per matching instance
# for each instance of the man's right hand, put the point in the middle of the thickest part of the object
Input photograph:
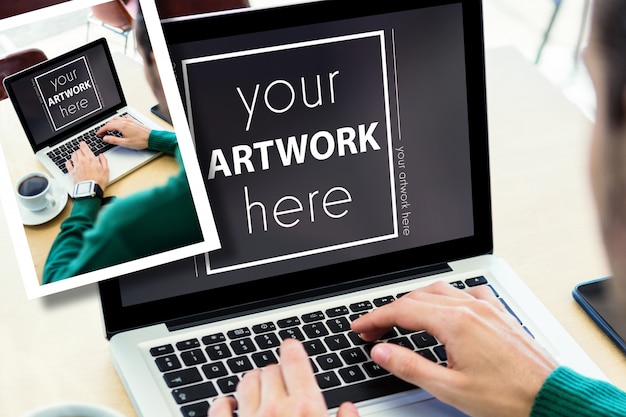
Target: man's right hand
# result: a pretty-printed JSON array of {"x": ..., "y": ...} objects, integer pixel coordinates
[
  {"x": 134, "y": 134},
  {"x": 494, "y": 367}
]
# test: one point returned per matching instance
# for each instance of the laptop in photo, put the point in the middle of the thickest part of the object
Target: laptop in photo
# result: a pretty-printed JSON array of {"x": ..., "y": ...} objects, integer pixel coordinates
[
  {"x": 344, "y": 150},
  {"x": 66, "y": 99}
]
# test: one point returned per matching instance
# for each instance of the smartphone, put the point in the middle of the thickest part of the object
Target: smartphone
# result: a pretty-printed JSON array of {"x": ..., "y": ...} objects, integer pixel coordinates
[
  {"x": 156, "y": 110},
  {"x": 593, "y": 297}
]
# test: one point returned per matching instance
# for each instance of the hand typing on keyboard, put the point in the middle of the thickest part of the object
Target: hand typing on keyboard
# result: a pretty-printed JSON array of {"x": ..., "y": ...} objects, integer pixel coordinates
[
  {"x": 134, "y": 135},
  {"x": 286, "y": 390},
  {"x": 84, "y": 166},
  {"x": 494, "y": 367}
]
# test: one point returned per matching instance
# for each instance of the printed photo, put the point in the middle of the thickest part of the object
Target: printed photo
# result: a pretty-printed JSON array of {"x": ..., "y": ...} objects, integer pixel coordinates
[{"x": 96, "y": 175}]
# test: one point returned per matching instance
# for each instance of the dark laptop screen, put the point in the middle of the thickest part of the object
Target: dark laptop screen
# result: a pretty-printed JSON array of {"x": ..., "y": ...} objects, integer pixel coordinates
[
  {"x": 65, "y": 93},
  {"x": 330, "y": 150}
]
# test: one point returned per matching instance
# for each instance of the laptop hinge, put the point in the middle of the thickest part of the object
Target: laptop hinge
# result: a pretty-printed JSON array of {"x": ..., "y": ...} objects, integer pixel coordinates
[{"x": 306, "y": 296}]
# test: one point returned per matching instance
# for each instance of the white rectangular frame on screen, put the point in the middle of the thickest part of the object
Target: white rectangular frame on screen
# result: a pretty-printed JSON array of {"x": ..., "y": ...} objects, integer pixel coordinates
[
  {"x": 380, "y": 35},
  {"x": 205, "y": 217}
]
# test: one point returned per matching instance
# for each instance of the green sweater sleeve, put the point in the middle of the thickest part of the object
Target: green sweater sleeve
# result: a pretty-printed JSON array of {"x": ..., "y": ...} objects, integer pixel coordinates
[
  {"x": 145, "y": 223},
  {"x": 567, "y": 393}
]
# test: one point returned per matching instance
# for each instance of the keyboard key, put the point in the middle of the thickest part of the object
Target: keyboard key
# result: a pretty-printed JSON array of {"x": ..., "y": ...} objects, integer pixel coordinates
[
  {"x": 351, "y": 374},
  {"x": 214, "y": 338},
  {"x": 353, "y": 355},
  {"x": 356, "y": 339},
  {"x": 239, "y": 364},
  {"x": 458, "y": 284},
  {"x": 329, "y": 361},
  {"x": 288, "y": 322},
  {"x": 228, "y": 385},
  {"x": 167, "y": 363},
  {"x": 188, "y": 344},
  {"x": 379, "y": 302},
  {"x": 262, "y": 359},
  {"x": 440, "y": 351},
  {"x": 194, "y": 393},
  {"x": 373, "y": 369},
  {"x": 162, "y": 350},
  {"x": 337, "y": 342},
  {"x": 243, "y": 346},
  {"x": 315, "y": 330},
  {"x": 311, "y": 317},
  {"x": 423, "y": 339},
  {"x": 402, "y": 341},
  {"x": 338, "y": 325},
  {"x": 337, "y": 311},
  {"x": 473, "y": 282},
  {"x": 293, "y": 333},
  {"x": 264, "y": 327},
  {"x": 314, "y": 347},
  {"x": 267, "y": 341},
  {"x": 219, "y": 351},
  {"x": 391, "y": 333},
  {"x": 327, "y": 380},
  {"x": 214, "y": 370},
  {"x": 362, "y": 306},
  {"x": 427, "y": 354},
  {"x": 238, "y": 333},
  {"x": 195, "y": 410},
  {"x": 193, "y": 357},
  {"x": 353, "y": 317},
  {"x": 182, "y": 377}
]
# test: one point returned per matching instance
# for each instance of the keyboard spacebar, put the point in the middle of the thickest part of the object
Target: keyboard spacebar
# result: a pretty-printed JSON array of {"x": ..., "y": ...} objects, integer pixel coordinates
[{"x": 367, "y": 390}]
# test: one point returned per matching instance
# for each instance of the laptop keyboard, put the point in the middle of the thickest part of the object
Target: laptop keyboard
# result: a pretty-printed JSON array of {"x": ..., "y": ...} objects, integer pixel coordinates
[
  {"x": 200, "y": 369},
  {"x": 62, "y": 153}
]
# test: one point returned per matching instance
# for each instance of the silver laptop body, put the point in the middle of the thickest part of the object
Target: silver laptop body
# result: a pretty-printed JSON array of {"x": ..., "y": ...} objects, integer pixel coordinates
[{"x": 344, "y": 151}]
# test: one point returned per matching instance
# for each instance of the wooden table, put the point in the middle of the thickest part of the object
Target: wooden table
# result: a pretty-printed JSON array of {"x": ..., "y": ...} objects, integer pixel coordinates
[
  {"x": 21, "y": 160},
  {"x": 53, "y": 348}
]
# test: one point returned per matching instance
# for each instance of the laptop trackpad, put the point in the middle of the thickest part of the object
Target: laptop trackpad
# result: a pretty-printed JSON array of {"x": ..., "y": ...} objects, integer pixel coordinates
[
  {"x": 123, "y": 160},
  {"x": 425, "y": 408}
]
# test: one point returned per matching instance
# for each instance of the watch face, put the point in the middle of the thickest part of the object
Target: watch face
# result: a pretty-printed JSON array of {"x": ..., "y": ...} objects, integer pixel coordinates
[{"x": 83, "y": 188}]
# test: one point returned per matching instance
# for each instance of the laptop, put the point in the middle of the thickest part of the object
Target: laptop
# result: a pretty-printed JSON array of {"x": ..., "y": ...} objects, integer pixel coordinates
[
  {"x": 344, "y": 150},
  {"x": 65, "y": 100}
]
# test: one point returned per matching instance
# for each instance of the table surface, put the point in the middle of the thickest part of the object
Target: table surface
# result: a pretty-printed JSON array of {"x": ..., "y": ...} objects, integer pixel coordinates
[
  {"x": 53, "y": 348},
  {"x": 20, "y": 158}
]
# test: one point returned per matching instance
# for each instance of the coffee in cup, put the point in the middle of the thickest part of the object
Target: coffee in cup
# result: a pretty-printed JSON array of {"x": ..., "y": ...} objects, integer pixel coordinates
[{"x": 34, "y": 191}]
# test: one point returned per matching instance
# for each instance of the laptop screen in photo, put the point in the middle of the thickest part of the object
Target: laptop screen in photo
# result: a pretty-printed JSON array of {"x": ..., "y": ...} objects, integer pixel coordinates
[
  {"x": 332, "y": 150},
  {"x": 66, "y": 94}
]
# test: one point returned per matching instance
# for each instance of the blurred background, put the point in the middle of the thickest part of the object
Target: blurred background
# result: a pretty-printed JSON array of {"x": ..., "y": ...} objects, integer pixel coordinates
[{"x": 548, "y": 33}]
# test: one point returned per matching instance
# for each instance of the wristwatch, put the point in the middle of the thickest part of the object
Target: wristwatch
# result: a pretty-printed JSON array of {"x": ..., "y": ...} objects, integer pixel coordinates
[{"x": 88, "y": 189}]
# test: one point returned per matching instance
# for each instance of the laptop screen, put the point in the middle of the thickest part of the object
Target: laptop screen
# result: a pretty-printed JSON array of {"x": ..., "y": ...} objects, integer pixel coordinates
[
  {"x": 64, "y": 95},
  {"x": 333, "y": 152}
]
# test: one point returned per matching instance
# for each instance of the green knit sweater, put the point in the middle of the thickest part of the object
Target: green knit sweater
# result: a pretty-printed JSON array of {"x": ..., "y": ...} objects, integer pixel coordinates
[
  {"x": 142, "y": 224},
  {"x": 567, "y": 393}
]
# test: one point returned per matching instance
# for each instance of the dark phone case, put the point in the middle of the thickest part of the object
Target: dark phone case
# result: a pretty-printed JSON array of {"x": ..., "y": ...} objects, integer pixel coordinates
[{"x": 581, "y": 298}]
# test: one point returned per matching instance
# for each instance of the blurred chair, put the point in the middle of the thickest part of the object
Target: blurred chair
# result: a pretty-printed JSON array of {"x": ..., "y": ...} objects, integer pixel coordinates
[
  {"x": 546, "y": 34},
  {"x": 176, "y": 8},
  {"x": 117, "y": 16},
  {"x": 18, "y": 61}
]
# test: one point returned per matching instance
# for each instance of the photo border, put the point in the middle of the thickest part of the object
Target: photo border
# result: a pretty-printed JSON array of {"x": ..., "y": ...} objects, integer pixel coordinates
[{"x": 9, "y": 201}]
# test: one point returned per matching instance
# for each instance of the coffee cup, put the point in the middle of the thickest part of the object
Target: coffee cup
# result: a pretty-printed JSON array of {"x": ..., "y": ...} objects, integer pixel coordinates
[
  {"x": 73, "y": 409},
  {"x": 34, "y": 191}
]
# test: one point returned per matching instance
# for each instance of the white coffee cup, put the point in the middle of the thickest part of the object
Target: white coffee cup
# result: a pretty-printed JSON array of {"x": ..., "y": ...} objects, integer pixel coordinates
[
  {"x": 34, "y": 191},
  {"x": 73, "y": 409}
]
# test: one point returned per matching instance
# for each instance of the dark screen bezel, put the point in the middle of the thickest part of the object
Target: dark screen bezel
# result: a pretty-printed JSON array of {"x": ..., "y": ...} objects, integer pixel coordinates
[
  {"x": 286, "y": 288},
  {"x": 64, "y": 133}
]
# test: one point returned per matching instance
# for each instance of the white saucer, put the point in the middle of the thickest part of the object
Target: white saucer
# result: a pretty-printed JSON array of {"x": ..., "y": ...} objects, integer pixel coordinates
[{"x": 33, "y": 218}]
